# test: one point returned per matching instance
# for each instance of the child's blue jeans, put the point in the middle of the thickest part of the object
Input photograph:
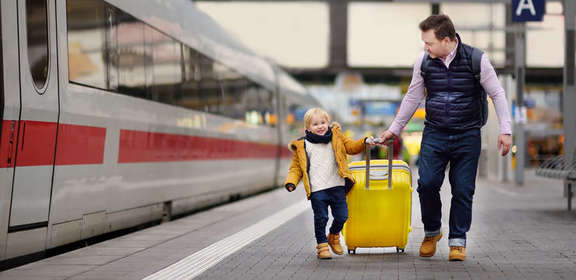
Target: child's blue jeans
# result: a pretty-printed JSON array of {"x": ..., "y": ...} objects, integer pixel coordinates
[{"x": 335, "y": 198}]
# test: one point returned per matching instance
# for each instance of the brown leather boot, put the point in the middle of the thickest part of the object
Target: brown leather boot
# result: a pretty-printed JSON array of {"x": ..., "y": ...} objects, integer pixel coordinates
[
  {"x": 323, "y": 252},
  {"x": 428, "y": 248},
  {"x": 457, "y": 253},
  {"x": 334, "y": 242}
]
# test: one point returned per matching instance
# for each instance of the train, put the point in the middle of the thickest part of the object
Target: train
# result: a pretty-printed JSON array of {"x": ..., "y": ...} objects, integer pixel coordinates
[{"x": 118, "y": 113}]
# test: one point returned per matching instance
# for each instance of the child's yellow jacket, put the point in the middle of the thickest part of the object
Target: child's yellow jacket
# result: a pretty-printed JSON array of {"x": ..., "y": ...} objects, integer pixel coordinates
[{"x": 342, "y": 146}]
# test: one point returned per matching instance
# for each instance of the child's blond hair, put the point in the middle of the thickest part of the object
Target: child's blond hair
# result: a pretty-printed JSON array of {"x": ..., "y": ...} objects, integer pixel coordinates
[{"x": 314, "y": 112}]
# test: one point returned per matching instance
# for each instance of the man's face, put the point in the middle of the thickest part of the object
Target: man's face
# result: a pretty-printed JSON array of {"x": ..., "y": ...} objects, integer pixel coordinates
[{"x": 435, "y": 47}]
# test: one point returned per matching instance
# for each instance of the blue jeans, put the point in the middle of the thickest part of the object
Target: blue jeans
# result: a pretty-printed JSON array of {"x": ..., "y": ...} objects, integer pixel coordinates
[
  {"x": 461, "y": 149},
  {"x": 335, "y": 198}
]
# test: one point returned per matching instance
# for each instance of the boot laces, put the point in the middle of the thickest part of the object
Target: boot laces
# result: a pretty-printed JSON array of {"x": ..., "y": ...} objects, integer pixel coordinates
[
  {"x": 458, "y": 248},
  {"x": 429, "y": 238}
]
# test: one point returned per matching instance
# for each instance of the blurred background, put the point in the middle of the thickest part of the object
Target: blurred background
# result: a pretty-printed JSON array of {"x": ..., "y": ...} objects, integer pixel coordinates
[{"x": 358, "y": 62}]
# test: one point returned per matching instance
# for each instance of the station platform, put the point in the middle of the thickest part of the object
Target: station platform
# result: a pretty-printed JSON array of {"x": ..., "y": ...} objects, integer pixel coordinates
[{"x": 517, "y": 233}]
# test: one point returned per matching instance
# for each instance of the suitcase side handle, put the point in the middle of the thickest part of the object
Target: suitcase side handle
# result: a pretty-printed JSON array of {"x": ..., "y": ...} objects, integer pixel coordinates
[{"x": 390, "y": 158}]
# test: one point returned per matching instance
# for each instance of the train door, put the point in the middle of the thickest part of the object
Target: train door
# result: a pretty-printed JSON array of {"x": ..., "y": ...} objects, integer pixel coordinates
[
  {"x": 37, "y": 127},
  {"x": 6, "y": 170}
]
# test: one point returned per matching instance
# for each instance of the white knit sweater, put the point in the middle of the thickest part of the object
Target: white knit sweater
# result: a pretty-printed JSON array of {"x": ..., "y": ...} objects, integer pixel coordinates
[{"x": 323, "y": 167}]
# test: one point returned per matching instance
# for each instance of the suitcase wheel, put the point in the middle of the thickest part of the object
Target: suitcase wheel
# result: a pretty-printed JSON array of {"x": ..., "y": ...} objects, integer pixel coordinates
[
  {"x": 399, "y": 250},
  {"x": 351, "y": 251}
]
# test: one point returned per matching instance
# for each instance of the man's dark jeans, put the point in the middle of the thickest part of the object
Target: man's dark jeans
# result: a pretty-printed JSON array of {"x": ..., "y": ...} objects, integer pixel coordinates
[
  {"x": 336, "y": 199},
  {"x": 461, "y": 149}
]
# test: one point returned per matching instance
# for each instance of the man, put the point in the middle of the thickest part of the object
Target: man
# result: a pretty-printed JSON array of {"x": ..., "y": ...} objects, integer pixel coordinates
[{"x": 454, "y": 115}]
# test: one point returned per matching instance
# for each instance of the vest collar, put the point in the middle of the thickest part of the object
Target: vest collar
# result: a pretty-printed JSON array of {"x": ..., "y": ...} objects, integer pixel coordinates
[{"x": 458, "y": 47}]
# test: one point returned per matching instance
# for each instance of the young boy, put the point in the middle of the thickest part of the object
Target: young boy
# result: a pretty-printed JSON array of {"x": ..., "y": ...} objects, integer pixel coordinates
[{"x": 320, "y": 161}]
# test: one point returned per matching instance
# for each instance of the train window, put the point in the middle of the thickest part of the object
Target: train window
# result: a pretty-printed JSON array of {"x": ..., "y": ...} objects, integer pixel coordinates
[
  {"x": 190, "y": 92},
  {"x": 164, "y": 70},
  {"x": 209, "y": 87},
  {"x": 191, "y": 67},
  {"x": 86, "y": 43},
  {"x": 233, "y": 85},
  {"x": 113, "y": 50},
  {"x": 37, "y": 38},
  {"x": 258, "y": 103},
  {"x": 126, "y": 54}
]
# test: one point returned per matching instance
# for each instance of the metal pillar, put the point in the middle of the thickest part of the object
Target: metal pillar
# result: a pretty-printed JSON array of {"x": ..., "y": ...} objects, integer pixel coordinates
[
  {"x": 569, "y": 94},
  {"x": 520, "y": 114},
  {"x": 509, "y": 43},
  {"x": 338, "y": 57}
]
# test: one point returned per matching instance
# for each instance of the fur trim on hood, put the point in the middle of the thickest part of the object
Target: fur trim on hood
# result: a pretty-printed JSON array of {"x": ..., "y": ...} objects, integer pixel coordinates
[{"x": 292, "y": 145}]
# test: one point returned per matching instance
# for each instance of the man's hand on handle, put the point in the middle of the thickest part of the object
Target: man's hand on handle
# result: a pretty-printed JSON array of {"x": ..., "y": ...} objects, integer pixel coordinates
[
  {"x": 504, "y": 143},
  {"x": 387, "y": 135}
]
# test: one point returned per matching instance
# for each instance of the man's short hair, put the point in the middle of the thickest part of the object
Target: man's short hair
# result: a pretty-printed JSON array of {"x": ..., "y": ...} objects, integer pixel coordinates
[
  {"x": 442, "y": 26},
  {"x": 313, "y": 112}
]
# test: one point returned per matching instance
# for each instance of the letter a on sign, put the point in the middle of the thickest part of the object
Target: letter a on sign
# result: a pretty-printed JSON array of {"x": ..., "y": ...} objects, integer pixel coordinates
[
  {"x": 528, "y": 10},
  {"x": 525, "y": 4}
]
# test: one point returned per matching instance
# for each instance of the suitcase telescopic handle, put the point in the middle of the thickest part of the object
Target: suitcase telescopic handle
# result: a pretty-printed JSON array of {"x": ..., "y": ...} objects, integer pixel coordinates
[{"x": 390, "y": 158}]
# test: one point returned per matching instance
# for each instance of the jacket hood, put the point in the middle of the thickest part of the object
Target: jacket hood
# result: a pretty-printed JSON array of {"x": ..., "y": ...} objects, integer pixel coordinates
[{"x": 293, "y": 146}]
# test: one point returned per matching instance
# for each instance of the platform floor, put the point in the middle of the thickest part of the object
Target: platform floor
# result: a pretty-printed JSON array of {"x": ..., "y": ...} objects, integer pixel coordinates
[{"x": 517, "y": 233}]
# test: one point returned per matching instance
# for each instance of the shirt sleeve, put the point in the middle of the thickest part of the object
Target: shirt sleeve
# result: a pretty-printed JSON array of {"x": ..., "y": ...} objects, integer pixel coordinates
[
  {"x": 489, "y": 80},
  {"x": 411, "y": 100}
]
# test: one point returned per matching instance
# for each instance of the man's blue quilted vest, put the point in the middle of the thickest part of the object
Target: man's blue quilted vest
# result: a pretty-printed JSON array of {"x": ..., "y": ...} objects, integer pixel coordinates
[{"x": 454, "y": 97}]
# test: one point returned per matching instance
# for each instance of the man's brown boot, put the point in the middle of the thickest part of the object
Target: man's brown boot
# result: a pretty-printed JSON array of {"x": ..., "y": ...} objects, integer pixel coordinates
[
  {"x": 334, "y": 242},
  {"x": 457, "y": 253},
  {"x": 428, "y": 248},
  {"x": 323, "y": 252}
]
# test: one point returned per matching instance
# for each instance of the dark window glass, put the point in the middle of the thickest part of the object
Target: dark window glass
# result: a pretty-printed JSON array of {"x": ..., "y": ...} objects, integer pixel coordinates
[
  {"x": 37, "y": 37},
  {"x": 111, "y": 43},
  {"x": 164, "y": 72},
  {"x": 243, "y": 99},
  {"x": 209, "y": 87},
  {"x": 87, "y": 43},
  {"x": 190, "y": 89},
  {"x": 111, "y": 49},
  {"x": 126, "y": 54},
  {"x": 258, "y": 102},
  {"x": 233, "y": 86}
]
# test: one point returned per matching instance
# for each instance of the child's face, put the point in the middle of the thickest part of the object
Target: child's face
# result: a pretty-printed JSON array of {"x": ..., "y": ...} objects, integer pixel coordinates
[{"x": 318, "y": 125}]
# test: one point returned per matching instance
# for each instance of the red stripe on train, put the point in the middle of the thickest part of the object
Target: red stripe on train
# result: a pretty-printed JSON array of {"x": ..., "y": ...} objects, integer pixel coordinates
[
  {"x": 142, "y": 146},
  {"x": 285, "y": 153},
  {"x": 36, "y": 140},
  {"x": 8, "y": 143},
  {"x": 79, "y": 144},
  {"x": 86, "y": 144}
]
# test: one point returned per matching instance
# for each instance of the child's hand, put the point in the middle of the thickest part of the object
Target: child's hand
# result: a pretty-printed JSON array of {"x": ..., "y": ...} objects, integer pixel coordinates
[
  {"x": 290, "y": 187},
  {"x": 371, "y": 141}
]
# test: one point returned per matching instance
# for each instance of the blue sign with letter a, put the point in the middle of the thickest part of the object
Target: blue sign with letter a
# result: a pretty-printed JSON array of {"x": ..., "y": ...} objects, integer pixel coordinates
[{"x": 528, "y": 10}]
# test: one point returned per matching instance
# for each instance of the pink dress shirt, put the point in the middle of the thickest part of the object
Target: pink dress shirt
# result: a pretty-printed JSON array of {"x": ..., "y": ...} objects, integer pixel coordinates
[{"x": 415, "y": 94}]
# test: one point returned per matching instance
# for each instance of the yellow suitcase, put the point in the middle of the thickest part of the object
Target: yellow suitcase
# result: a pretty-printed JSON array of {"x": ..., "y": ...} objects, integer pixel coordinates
[{"x": 379, "y": 210}]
